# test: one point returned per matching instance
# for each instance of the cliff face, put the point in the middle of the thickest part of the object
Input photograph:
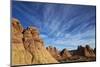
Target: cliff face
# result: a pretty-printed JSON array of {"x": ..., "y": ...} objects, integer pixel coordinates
[{"x": 27, "y": 46}]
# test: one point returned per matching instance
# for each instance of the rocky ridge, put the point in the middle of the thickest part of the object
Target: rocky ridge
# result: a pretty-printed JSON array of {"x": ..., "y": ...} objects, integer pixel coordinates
[{"x": 80, "y": 54}]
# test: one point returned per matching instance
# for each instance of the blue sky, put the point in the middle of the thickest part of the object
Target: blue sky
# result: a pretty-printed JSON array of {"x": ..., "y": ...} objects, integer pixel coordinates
[{"x": 62, "y": 26}]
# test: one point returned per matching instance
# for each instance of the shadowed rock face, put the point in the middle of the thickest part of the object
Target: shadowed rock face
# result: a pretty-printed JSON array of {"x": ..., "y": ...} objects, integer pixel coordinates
[
  {"x": 85, "y": 51},
  {"x": 95, "y": 51},
  {"x": 89, "y": 51},
  {"x": 65, "y": 54},
  {"x": 28, "y": 47}
]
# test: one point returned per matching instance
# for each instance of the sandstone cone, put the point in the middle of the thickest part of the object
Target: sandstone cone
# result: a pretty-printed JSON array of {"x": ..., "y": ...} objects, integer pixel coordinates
[
  {"x": 85, "y": 51},
  {"x": 89, "y": 51},
  {"x": 28, "y": 47},
  {"x": 65, "y": 54},
  {"x": 34, "y": 44},
  {"x": 54, "y": 52}
]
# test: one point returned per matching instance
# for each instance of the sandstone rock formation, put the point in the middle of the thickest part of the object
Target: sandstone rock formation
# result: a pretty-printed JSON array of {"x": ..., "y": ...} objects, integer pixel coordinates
[
  {"x": 54, "y": 52},
  {"x": 85, "y": 51},
  {"x": 65, "y": 54},
  {"x": 59, "y": 55},
  {"x": 27, "y": 46},
  {"x": 89, "y": 51},
  {"x": 19, "y": 55},
  {"x": 35, "y": 46}
]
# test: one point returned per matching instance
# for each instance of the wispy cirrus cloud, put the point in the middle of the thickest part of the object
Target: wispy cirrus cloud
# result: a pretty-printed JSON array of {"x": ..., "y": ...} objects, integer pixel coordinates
[
  {"x": 71, "y": 41},
  {"x": 59, "y": 25}
]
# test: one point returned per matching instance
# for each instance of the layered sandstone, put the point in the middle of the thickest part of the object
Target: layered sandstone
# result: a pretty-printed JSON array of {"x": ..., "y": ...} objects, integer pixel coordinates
[
  {"x": 35, "y": 46},
  {"x": 19, "y": 55},
  {"x": 27, "y": 46},
  {"x": 54, "y": 52}
]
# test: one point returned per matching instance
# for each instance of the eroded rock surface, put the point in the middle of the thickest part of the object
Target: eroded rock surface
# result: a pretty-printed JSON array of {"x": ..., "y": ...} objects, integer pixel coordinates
[
  {"x": 28, "y": 47},
  {"x": 34, "y": 45},
  {"x": 85, "y": 51},
  {"x": 65, "y": 54},
  {"x": 54, "y": 52},
  {"x": 19, "y": 55},
  {"x": 59, "y": 55}
]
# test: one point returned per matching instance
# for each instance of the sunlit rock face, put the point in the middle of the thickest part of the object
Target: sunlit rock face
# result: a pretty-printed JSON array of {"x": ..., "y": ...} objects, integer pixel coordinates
[
  {"x": 16, "y": 31},
  {"x": 60, "y": 55},
  {"x": 34, "y": 45},
  {"x": 19, "y": 55},
  {"x": 27, "y": 46},
  {"x": 54, "y": 52}
]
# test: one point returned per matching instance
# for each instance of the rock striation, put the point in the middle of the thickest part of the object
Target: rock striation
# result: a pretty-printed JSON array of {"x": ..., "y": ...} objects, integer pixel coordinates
[
  {"x": 27, "y": 46},
  {"x": 35, "y": 46},
  {"x": 19, "y": 55},
  {"x": 54, "y": 52}
]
